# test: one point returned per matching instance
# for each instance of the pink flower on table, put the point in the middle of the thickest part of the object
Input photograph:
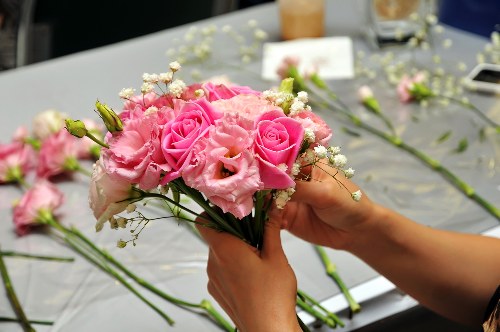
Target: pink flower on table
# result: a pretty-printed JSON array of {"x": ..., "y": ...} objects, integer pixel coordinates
[
  {"x": 180, "y": 135},
  {"x": 286, "y": 63},
  {"x": 47, "y": 123},
  {"x": 247, "y": 106},
  {"x": 135, "y": 155},
  {"x": 57, "y": 154},
  {"x": 39, "y": 202},
  {"x": 224, "y": 168},
  {"x": 16, "y": 160},
  {"x": 406, "y": 85},
  {"x": 277, "y": 144},
  {"x": 108, "y": 195},
  {"x": 309, "y": 120},
  {"x": 21, "y": 134},
  {"x": 220, "y": 91}
]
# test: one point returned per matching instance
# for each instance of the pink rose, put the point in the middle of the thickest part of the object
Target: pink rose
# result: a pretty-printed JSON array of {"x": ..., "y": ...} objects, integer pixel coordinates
[
  {"x": 135, "y": 155},
  {"x": 57, "y": 152},
  {"x": 16, "y": 160},
  {"x": 248, "y": 106},
  {"x": 277, "y": 144},
  {"x": 321, "y": 130},
  {"x": 39, "y": 201},
  {"x": 225, "y": 170},
  {"x": 180, "y": 135},
  {"x": 220, "y": 91},
  {"x": 108, "y": 195}
]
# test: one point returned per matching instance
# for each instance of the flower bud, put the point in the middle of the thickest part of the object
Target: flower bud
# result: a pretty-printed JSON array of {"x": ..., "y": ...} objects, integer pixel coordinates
[
  {"x": 76, "y": 127},
  {"x": 110, "y": 118}
]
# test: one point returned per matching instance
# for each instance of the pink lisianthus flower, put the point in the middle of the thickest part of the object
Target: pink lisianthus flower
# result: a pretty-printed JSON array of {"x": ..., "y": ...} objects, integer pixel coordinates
[
  {"x": 16, "y": 160},
  {"x": 220, "y": 91},
  {"x": 47, "y": 123},
  {"x": 38, "y": 203},
  {"x": 309, "y": 120},
  {"x": 286, "y": 63},
  {"x": 224, "y": 169},
  {"x": 57, "y": 155},
  {"x": 180, "y": 134},
  {"x": 108, "y": 195},
  {"x": 20, "y": 135},
  {"x": 406, "y": 86},
  {"x": 277, "y": 144},
  {"x": 250, "y": 106},
  {"x": 135, "y": 155}
]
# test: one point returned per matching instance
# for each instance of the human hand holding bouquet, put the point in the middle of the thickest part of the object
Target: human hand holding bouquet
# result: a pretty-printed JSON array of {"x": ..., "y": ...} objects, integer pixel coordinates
[{"x": 232, "y": 150}]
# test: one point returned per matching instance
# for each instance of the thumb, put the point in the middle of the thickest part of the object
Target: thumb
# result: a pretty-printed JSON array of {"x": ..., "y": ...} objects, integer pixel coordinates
[{"x": 271, "y": 246}]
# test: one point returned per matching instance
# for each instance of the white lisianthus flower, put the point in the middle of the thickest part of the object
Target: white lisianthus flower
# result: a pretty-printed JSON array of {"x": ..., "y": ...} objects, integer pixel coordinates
[{"x": 47, "y": 123}]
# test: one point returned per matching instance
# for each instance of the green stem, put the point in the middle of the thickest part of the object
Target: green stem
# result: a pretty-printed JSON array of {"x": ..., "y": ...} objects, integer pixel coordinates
[
  {"x": 315, "y": 304},
  {"x": 331, "y": 271},
  {"x": 14, "y": 301},
  {"x": 462, "y": 186},
  {"x": 68, "y": 238},
  {"x": 316, "y": 314},
  {"x": 15, "y": 320},
  {"x": 95, "y": 139},
  {"x": 474, "y": 109},
  {"x": 204, "y": 305},
  {"x": 41, "y": 257},
  {"x": 83, "y": 171}
]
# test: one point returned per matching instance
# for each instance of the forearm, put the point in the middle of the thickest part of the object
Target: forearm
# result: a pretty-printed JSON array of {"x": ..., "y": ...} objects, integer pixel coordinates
[{"x": 451, "y": 273}]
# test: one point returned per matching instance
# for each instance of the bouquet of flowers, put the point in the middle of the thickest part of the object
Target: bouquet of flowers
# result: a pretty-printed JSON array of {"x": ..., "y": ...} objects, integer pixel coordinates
[{"x": 230, "y": 149}]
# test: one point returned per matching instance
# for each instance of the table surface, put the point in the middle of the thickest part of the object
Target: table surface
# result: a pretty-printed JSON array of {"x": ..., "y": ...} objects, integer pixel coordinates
[{"x": 77, "y": 297}]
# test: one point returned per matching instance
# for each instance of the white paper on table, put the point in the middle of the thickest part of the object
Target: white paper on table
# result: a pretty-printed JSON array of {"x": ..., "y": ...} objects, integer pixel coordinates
[{"x": 332, "y": 56}]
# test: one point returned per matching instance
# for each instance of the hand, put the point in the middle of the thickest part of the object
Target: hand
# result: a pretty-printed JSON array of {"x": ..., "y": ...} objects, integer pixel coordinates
[
  {"x": 256, "y": 289},
  {"x": 322, "y": 210}
]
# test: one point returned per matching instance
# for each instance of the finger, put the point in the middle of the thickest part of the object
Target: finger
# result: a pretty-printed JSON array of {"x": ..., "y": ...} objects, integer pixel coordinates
[{"x": 271, "y": 247}]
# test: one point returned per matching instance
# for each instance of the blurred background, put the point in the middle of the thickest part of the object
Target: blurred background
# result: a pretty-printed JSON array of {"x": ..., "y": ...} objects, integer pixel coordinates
[{"x": 36, "y": 30}]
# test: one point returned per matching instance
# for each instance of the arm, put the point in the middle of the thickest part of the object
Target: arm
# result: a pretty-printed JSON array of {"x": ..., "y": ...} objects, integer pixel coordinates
[{"x": 453, "y": 274}]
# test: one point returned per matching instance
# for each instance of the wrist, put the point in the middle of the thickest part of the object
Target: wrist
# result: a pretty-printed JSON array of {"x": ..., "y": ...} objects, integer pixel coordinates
[{"x": 362, "y": 234}]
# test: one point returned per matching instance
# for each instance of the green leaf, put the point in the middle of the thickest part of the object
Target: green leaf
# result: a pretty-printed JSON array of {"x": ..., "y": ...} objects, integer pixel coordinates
[
  {"x": 462, "y": 146},
  {"x": 482, "y": 134},
  {"x": 444, "y": 137}
]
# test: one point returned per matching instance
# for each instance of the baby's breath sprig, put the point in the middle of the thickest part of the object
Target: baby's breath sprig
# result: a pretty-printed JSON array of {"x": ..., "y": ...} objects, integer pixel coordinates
[
  {"x": 198, "y": 44},
  {"x": 397, "y": 142}
]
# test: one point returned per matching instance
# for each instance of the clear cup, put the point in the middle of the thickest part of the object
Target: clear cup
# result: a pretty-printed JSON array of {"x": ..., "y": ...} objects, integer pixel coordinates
[{"x": 302, "y": 18}]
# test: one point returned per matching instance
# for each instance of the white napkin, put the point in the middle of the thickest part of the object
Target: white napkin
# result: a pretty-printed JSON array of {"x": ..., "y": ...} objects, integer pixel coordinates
[{"x": 332, "y": 56}]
